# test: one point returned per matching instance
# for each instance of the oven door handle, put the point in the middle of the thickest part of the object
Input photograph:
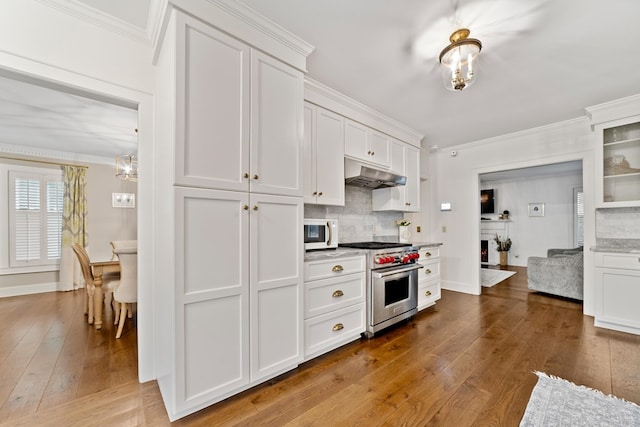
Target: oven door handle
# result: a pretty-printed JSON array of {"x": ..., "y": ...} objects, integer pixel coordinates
[{"x": 413, "y": 267}]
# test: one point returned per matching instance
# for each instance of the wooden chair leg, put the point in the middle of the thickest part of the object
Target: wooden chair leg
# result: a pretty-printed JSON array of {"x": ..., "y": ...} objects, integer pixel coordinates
[
  {"x": 89, "y": 290},
  {"x": 123, "y": 317},
  {"x": 116, "y": 311}
]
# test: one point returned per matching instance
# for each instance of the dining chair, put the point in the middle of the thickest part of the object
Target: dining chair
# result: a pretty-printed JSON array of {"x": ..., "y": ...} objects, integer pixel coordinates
[
  {"x": 122, "y": 244},
  {"x": 127, "y": 292},
  {"x": 110, "y": 282}
]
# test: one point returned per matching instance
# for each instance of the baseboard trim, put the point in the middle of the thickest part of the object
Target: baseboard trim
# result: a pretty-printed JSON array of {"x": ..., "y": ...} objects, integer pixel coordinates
[
  {"x": 38, "y": 288},
  {"x": 464, "y": 288}
]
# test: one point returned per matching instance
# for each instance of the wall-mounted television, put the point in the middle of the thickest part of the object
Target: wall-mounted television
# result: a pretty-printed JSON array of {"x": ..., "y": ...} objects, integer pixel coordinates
[{"x": 487, "y": 202}]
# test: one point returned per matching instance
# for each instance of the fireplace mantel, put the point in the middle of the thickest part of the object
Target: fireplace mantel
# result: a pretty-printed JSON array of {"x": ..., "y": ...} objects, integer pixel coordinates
[{"x": 488, "y": 230}]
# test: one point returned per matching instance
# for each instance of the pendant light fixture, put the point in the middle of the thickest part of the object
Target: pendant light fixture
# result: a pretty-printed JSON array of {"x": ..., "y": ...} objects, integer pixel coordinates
[
  {"x": 460, "y": 60},
  {"x": 127, "y": 167}
]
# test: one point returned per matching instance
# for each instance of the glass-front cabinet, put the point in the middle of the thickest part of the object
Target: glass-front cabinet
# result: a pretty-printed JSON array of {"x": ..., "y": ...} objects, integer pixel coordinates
[{"x": 616, "y": 127}]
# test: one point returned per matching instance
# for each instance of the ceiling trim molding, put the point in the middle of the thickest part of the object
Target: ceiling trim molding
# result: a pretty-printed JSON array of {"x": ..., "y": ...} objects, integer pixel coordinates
[
  {"x": 20, "y": 150},
  {"x": 245, "y": 24},
  {"x": 101, "y": 19},
  {"x": 326, "y": 97},
  {"x": 614, "y": 110}
]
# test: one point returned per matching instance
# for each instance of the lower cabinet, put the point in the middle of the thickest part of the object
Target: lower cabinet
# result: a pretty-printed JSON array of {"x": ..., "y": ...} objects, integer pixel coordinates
[
  {"x": 618, "y": 291},
  {"x": 238, "y": 302},
  {"x": 429, "y": 277},
  {"x": 334, "y": 303}
]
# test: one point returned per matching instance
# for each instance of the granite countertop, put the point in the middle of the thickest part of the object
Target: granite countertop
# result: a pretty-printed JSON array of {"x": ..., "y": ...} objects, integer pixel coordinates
[
  {"x": 426, "y": 244},
  {"x": 617, "y": 245},
  {"x": 332, "y": 253}
]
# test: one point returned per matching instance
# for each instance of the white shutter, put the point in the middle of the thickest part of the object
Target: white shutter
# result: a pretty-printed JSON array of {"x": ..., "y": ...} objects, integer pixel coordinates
[
  {"x": 578, "y": 200},
  {"x": 35, "y": 218}
]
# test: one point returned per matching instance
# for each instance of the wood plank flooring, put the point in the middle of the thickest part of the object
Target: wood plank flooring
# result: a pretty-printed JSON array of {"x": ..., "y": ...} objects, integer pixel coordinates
[{"x": 467, "y": 361}]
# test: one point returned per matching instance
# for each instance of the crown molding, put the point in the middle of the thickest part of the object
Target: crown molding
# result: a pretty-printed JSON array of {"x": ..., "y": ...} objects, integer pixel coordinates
[
  {"x": 101, "y": 19},
  {"x": 20, "y": 150},
  {"x": 614, "y": 110},
  {"x": 326, "y": 97}
]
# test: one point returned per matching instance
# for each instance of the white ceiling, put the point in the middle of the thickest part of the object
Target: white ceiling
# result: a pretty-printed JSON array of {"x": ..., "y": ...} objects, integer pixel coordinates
[{"x": 542, "y": 61}]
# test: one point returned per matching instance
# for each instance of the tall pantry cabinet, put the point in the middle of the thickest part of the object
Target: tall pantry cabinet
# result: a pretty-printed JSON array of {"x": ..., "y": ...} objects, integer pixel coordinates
[{"x": 229, "y": 205}]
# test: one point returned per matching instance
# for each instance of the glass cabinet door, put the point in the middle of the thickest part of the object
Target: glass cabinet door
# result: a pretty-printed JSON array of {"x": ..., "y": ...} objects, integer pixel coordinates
[{"x": 621, "y": 163}]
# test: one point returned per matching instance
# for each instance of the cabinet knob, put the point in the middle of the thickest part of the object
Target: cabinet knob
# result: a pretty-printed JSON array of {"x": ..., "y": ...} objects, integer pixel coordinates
[
  {"x": 255, "y": 207},
  {"x": 427, "y": 294},
  {"x": 245, "y": 207},
  {"x": 427, "y": 271},
  {"x": 256, "y": 176},
  {"x": 320, "y": 193},
  {"x": 373, "y": 153},
  {"x": 315, "y": 193},
  {"x": 337, "y": 268},
  {"x": 337, "y": 327},
  {"x": 337, "y": 294},
  {"x": 246, "y": 175},
  {"x": 369, "y": 152},
  {"x": 427, "y": 254}
]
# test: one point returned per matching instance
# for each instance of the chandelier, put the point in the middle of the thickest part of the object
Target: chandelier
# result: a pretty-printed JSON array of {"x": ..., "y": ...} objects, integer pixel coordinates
[
  {"x": 460, "y": 60},
  {"x": 127, "y": 167}
]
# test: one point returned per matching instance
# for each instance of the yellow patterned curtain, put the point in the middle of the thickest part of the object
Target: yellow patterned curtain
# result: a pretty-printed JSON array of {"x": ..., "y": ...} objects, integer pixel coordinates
[{"x": 74, "y": 226}]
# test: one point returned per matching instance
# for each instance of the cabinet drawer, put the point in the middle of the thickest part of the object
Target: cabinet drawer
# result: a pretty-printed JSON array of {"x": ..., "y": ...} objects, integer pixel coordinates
[
  {"x": 428, "y": 293},
  {"x": 618, "y": 260},
  {"x": 322, "y": 296},
  {"x": 429, "y": 253},
  {"x": 323, "y": 269},
  {"x": 430, "y": 271},
  {"x": 328, "y": 331}
]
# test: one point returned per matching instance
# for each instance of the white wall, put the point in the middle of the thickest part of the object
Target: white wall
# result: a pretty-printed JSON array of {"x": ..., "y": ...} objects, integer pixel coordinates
[
  {"x": 40, "y": 41},
  {"x": 457, "y": 181},
  {"x": 532, "y": 236}
]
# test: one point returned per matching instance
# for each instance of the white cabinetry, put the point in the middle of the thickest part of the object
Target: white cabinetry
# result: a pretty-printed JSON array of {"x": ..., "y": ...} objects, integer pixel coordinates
[
  {"x": 229, "y": 125},
  {"x": 617, "y": 133},
  {"x": 405, "y": 160},
  {"x": 429, "y": 277},
  {"x": 323, "y": 156},
  {"x": 618, "y": 291},
  {"x": 366, "y": 144},
  {"x": 334, "y": 303},
  {"x": 239, "y": 115}
]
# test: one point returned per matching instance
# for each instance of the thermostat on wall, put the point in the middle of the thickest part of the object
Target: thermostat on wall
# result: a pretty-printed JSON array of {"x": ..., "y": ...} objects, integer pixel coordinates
[{"x": 445, "y": 206}]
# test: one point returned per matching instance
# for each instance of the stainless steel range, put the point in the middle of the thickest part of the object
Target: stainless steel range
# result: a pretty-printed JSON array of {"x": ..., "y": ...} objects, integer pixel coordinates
[{"x": 392, "y": 283}]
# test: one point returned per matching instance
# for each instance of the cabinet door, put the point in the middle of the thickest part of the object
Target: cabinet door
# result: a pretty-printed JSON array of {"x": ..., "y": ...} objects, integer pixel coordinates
[
  {"x": 276, "y": 284},
  {"x": 355, "y": 140},
  {"x": 213, "y": 108},
  {"x": 379, "y": 148},
  {"x": 211, "y": 293},
  {"x": 396, "y": 157},
  {"x": 309, "y": 149},
  {"x": 412, "y": 172},
  {"x": 276, "y": 127},
  {"x": 329, "y": 158}
]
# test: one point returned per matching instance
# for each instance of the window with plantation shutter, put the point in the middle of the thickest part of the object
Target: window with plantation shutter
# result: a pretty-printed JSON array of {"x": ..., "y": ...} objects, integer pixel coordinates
[{"x": 35, "y": 218}]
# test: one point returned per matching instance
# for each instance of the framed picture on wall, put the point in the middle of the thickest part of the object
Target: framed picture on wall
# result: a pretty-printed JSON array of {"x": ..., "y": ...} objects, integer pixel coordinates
[{"x": 536, "y": 209}]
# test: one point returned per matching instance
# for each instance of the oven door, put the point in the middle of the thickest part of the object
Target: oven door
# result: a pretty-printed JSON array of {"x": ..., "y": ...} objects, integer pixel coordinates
[{"x": 394, "y": 291}]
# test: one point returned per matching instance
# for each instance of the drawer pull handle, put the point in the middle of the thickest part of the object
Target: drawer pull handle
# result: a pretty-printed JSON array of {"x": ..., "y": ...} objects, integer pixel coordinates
[
  {"x": 427, "y": 254},
  {"x": 337, "y": 327},
  {"x": 337, "y": 268},
  {"x": 427, "y": 294},
  {"x": 337, "y": 293},
  {"x": 427, "y": 271}
]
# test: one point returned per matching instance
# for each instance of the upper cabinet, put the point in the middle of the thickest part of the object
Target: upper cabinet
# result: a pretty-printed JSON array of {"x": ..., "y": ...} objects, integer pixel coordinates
[
  {"x": 323, "y": 156},
  {"x": 366, "y": 144},
  {"x": 405, "y": 160},
  {"x": 617, "y": 131},
  {"x": 239, "y": 116}
]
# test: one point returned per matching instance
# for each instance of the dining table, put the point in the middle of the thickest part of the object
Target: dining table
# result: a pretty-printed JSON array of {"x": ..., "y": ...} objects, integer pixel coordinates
[{"x": 99, "y": 268}]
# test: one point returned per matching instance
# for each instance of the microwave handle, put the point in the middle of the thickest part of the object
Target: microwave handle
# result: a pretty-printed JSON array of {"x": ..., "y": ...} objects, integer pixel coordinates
[
  {"x": 396, "y": 271},
  {"x": 330, "y": 227}
]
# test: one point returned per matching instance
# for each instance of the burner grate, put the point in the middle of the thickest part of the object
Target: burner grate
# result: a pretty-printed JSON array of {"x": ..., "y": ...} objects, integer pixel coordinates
[{"x": 374, "y": 245}]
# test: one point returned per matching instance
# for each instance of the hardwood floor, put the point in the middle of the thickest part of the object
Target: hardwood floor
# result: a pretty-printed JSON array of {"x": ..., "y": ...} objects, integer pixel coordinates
[{"x": 466, "y": 361}]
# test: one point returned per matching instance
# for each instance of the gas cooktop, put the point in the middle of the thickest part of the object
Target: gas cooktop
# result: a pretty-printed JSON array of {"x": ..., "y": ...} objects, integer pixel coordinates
[{"x": 374, "y": 245}]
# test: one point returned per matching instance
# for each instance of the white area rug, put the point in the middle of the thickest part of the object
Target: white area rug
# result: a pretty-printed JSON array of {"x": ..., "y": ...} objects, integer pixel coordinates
[
  {"x": 490, "y": 277},
  {"x": 558, "y": 402}
]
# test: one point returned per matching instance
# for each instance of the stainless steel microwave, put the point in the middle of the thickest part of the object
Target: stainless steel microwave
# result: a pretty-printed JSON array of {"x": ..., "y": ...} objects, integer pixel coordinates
[{"x": 320, "y": 234}]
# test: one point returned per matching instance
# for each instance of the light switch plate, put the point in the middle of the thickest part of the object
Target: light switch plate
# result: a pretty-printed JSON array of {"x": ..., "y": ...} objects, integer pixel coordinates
[{"x": 123, "y": 200}]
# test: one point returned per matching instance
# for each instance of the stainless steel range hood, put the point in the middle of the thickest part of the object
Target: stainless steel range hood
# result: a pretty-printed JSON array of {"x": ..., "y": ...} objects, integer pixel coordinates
[{"x": 361, "y": 175}]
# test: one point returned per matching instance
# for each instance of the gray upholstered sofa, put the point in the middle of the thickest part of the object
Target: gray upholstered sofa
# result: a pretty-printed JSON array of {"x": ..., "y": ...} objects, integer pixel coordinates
[{"x": 561, "y": 273}]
